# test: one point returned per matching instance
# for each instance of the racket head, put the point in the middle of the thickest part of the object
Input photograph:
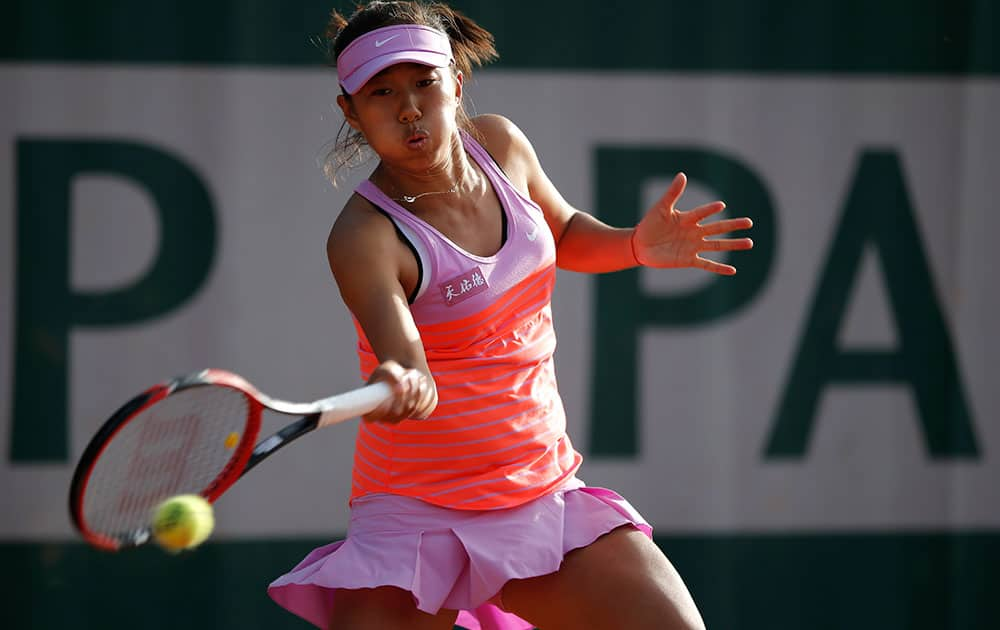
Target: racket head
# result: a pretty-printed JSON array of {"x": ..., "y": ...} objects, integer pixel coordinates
[{"x": 190, "y": 435}]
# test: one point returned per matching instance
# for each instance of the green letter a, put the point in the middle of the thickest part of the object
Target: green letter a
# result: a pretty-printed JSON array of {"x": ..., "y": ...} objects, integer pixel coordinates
[{"x": 878, "y": 212}]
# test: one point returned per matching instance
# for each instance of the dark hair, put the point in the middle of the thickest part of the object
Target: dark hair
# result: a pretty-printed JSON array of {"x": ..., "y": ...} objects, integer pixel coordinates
[{"x": 471, "y": 44}]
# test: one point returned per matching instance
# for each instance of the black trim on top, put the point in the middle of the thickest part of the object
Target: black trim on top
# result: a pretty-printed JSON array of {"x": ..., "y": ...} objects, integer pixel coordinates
[{"x": 416, "y": 255}]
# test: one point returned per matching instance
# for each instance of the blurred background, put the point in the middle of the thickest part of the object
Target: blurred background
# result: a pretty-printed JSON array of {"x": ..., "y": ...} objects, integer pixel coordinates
[{"x": 814, "y": 440}]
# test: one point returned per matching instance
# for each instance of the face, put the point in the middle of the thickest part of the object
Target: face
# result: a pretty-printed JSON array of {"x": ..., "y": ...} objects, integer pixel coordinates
[{"x": 407, "y": 112}]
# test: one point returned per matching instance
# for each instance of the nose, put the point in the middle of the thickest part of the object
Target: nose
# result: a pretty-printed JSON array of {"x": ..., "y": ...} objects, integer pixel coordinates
[{"x": 409, "y": 112}]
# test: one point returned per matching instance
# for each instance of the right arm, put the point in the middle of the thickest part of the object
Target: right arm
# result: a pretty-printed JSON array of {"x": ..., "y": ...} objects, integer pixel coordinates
[{"x": 371, "y": 266}]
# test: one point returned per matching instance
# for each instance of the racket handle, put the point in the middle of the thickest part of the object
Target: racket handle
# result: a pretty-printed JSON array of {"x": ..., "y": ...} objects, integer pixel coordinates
[{"x": 354, "y": 403}]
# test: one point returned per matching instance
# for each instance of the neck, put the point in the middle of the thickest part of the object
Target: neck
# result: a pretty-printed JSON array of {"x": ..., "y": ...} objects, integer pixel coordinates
[{"x": 452, "y": 173}]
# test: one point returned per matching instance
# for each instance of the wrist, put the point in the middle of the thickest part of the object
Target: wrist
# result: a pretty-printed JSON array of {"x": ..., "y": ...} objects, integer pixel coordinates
[{"x": 631, "y": 249}]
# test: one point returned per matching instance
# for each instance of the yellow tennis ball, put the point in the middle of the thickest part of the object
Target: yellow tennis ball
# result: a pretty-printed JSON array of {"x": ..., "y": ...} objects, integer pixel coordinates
[
  {"x": 182, "y": 522},
  {"x": 232, "y": 440}
]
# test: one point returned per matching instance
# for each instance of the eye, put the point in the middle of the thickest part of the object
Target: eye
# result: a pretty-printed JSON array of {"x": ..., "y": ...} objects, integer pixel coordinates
[
  {"x": 427, "y": 82},
  {"x": 380, "y": 91}
]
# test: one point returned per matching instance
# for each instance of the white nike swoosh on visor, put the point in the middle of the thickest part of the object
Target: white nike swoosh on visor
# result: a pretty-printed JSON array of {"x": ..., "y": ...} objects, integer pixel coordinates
[{"x": 380, "y": 43}]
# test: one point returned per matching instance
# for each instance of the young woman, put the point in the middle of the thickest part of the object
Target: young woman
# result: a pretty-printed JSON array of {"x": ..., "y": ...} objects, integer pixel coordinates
[{"x": 465, "y": 502}]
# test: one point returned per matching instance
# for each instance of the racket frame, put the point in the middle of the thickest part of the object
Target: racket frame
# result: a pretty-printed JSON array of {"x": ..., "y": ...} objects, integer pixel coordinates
[{"x": 247, "y": 453}]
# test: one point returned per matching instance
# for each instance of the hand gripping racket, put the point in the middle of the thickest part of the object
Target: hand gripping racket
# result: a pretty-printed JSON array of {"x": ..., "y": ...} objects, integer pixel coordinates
[{"x": 195, "y": 434}]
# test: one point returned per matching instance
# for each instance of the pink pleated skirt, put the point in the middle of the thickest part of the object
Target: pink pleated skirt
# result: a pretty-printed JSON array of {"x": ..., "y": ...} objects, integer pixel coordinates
[{"x": 452, "y": 559}]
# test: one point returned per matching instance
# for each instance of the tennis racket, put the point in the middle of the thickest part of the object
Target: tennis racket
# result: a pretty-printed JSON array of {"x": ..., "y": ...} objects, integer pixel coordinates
[{"x": 194, "y": 434}]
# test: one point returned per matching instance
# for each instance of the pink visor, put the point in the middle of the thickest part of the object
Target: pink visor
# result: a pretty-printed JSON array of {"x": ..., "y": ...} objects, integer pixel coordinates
[{"x": 377, "y": 50}]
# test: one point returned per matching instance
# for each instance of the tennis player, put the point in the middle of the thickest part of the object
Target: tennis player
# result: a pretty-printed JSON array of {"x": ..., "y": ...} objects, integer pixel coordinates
[{"x": 465, "y": 504}]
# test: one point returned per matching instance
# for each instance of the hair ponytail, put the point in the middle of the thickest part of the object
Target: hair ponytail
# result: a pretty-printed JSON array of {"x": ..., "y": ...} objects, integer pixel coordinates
[{"x": 471, "y": 44}]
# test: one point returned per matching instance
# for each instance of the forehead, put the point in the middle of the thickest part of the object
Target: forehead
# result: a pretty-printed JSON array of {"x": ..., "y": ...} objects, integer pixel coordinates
[{"x": 404, "y": 68}]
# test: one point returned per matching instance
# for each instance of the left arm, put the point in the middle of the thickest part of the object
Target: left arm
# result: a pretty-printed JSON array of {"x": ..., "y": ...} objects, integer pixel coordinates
[{"x": 665, "y": 237}]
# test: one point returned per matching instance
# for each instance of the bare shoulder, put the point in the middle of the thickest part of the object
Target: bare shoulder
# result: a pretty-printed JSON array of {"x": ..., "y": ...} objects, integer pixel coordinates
[
  {"x": 506, "y": 143},
  {"x": 357, "y": 220},
  {"x": 357, "y": 237}
]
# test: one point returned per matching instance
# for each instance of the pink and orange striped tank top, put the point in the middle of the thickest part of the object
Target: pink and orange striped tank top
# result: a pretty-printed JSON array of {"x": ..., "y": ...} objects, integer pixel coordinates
[{"x": 498, "y": 435}]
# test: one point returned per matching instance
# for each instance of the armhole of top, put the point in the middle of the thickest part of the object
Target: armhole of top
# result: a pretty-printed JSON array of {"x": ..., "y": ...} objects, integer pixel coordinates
[
  {"x": 503, "y": 210},
  {"x": 408, "y": 238}
]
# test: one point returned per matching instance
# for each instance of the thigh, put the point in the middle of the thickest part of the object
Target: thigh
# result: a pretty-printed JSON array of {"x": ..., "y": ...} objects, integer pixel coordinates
[
  {"x": 621, "y": 580},
  {"x": 384, "y": 607}
]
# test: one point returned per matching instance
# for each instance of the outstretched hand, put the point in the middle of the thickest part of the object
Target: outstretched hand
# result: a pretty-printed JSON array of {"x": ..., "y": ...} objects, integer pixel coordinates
[{"x": 667, "y": 237}]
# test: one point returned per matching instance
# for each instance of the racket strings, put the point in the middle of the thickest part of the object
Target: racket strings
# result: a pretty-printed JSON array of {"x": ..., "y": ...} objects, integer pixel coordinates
[{"x": 179, "y": 445}]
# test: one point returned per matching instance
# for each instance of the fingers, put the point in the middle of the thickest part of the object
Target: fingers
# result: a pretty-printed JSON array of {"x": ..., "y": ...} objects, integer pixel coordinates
[
  {"x": 668, "y": 201},
  {"x": 674, "y": 192},
  {"x": 726, "y": 225},
  {"x": 715, "y": 267},
  {"x": 728, "y": 244},
  {"x": 679, "y": 239},
  {"x": 414, "y": 394},
  {"x": 722, "y": 245},
  {"x": 697, "y": 215},
  {"x": 424, "y": 396}
]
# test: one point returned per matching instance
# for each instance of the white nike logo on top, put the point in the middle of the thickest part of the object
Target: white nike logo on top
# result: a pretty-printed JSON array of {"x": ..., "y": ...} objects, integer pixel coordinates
[
  {"x": 381, "y": 42},
  {"x": 533, "y": 234}
]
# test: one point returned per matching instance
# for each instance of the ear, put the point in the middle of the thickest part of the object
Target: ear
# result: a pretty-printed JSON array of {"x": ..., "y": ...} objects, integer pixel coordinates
[
  {"x": 459, "y": 80},
  {"x": 347, "y": 107}
]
